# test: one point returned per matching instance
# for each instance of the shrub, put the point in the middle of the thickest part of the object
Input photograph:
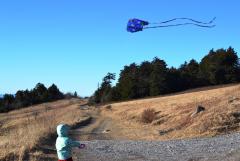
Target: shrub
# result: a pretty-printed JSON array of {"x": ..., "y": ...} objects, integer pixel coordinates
[
  {"x": 108, "y": 107},
  {"x": 91, "y": 101},
  {"x": 148, "y": 115}
]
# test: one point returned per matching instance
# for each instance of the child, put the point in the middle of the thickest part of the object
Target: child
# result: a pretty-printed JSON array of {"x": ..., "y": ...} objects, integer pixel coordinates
[{"x": 64, "y": 144}]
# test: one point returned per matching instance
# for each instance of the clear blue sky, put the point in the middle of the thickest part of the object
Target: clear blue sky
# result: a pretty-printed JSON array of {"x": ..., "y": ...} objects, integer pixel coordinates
[{"x": 75, "y": 43}]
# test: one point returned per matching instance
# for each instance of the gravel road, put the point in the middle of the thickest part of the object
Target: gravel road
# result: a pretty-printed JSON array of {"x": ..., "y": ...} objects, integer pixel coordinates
[{"x": 221, "y": 148}]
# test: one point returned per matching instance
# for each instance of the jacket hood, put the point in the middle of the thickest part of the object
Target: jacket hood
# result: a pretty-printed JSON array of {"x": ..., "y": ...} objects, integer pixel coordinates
[{"x": 62, "y": 130}]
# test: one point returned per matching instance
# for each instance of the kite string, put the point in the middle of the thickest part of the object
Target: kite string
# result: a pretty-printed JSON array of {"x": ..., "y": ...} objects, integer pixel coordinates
[
  {"x": 180, "y": 24},
  {"x": 183, "y": 18}
]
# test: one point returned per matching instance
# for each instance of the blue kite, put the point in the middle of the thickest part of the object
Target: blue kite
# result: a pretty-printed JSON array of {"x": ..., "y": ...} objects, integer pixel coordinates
[{"x": 136, "y": 25}]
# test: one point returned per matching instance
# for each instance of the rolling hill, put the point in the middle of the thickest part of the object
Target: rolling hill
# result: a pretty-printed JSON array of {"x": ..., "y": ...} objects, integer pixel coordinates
[
  {"x": 174, "y": 115},
  {"x": 174, "y": 118}
]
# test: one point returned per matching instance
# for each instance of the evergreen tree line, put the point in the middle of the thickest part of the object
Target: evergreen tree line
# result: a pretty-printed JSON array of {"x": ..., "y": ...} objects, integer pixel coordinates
[
  {"x": 155, "y": 78},
  {"x": 24, "y": 98}
]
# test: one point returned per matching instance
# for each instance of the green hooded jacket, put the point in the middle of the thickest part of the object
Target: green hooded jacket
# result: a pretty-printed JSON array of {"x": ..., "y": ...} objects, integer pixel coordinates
[{"x": 63, "y": 143}]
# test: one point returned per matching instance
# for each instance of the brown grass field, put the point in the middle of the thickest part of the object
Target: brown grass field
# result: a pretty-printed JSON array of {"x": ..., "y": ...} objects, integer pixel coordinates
[
  {"x": 22, "y": 131},
  {"x": 173, "y": 118}
]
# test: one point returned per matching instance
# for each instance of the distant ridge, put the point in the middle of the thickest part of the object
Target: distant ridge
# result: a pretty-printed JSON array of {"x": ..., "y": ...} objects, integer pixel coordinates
[{"x": 1, "y": 95}]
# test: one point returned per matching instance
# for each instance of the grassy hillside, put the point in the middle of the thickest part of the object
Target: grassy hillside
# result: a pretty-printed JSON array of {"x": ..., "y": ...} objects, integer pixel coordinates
[
  {"x": 23, "y": 131},
  {"x": 173, "y": 114}
]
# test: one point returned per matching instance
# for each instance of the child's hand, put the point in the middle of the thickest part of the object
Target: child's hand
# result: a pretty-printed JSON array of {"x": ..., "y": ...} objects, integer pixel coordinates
[{"x": 82, "y": 146}]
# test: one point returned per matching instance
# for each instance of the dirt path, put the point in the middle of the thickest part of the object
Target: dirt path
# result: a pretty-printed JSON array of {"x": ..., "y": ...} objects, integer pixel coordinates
[{"x": 100, "y": 128}]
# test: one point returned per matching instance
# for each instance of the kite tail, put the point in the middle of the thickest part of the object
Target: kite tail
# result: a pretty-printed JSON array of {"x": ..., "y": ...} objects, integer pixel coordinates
[
  {"x": 181, "y": 24},
  {"x": 183, "y": 18}
]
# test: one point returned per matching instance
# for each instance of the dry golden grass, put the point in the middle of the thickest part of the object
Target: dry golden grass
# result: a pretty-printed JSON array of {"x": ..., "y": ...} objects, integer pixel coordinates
[
  {"x": 173, "y": 114},
  {"x": 23, "y": 130}
]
